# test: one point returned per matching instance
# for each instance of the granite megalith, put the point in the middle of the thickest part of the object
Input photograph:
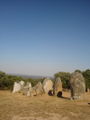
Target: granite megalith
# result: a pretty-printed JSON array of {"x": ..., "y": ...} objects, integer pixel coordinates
[
  {"x": 27, "y": 88},
  {"x": 58, "y": 87},
  {"x": 18, "y": 86},
  {"x": 77, "y": 84},
  {"x": 37, "y": 90},
  {"x": 48, "y": 86}
]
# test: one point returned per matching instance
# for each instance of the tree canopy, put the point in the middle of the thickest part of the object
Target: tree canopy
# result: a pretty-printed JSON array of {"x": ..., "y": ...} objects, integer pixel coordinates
[
  {"x": 65, "y": 77},
  {"x": 86, "y": 75}
]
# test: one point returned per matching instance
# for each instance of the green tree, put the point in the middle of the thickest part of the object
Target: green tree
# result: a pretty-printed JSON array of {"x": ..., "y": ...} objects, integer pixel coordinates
[
  {"x": 78, "y": 71},
  {"x": 86, "y": 75},
  {"x": 2, "y": 74},
  {"x": 7, "y": 81},
  {"x": 65, "y": 77}
]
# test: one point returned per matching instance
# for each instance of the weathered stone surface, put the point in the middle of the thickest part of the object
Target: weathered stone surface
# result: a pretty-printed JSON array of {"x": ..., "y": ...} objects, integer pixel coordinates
[
  {"x": 26, "y": 89},
  {"x": 17, "y": 87},
  {"x": 22, "y": 83},
  {"x": 28, "y": 85},
  {"x": 58, "y": 87},
  {"x": 77, "y": 84},
  {"x": 37, "y": 90},
  {"x": 48, "y": 86}
]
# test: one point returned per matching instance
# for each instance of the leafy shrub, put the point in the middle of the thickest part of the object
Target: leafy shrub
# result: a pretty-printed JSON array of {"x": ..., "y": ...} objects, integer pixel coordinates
[{"x": 65, "y": 77}]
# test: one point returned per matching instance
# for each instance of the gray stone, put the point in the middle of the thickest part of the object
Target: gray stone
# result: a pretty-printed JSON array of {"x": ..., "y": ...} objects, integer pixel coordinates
[
  {"x": 77, "y": 84},
  {"x": 48, "y": 86},
  {"x": 58, "y": 87}
]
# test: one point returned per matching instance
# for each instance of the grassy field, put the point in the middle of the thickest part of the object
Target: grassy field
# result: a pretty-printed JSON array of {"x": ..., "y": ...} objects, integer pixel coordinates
[{"x": 19, "y": 107}]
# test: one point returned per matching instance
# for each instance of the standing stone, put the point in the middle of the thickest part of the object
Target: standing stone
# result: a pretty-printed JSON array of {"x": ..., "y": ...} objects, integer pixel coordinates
[
  {"x": 58, "y": 87},
  {"x": 27, "y": 88},
  {"x": 88, "y": 90},
  {"x": 37, "y": 89},
  {"x": 28, "y": 85},
  {"x": 48, "y": 86},
  {"x": 17, "y": 87},
  {"x": 22, "y": 83},
  {"x": 77, "y": 84}
]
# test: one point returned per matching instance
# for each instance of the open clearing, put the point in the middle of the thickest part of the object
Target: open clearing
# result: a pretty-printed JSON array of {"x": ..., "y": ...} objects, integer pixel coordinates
[{"x": 20, "y": 107}]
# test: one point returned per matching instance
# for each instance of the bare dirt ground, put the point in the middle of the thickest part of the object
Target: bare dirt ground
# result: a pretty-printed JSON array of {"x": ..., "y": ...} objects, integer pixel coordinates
[{"x": 19, "y": 107}]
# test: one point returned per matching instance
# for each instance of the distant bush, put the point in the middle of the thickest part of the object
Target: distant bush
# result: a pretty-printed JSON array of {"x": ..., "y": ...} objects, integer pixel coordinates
[
  {"x": 65, "y": 77},
  {"x": 86, "y": 75},
  {"x": 7, "y": 81}
]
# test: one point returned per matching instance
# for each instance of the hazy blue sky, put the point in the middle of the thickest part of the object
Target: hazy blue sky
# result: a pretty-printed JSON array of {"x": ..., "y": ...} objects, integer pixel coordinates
[{"x": 42, "y": 37}]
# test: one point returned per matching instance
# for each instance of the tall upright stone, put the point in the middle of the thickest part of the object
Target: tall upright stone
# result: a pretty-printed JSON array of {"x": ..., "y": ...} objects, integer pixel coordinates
[
  {"x": 27, "y": 88},
  {"x": 22, "y": 83},
  {"x": 77, "y": 83},
  {"x": 58, "y": 87},
  {"x": 38, "y": 88},
  {"x": 48, "y": 86},
  {"x": 17, "y": 87}
]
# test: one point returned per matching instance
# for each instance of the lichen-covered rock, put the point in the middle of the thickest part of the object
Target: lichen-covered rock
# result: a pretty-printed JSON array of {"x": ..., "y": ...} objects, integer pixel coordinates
[
  {"x": 58, "y": 87},
  {"x": 77, "y": 84},
  {"x": 48, "y": 86}
]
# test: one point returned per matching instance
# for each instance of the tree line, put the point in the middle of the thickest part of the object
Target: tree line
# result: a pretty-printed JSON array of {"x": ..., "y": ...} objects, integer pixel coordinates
[{"x": 7, "y": 81}]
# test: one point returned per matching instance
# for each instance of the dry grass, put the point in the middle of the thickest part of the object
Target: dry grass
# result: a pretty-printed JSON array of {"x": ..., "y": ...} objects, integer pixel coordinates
[{"x": 19, "y": 107}]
